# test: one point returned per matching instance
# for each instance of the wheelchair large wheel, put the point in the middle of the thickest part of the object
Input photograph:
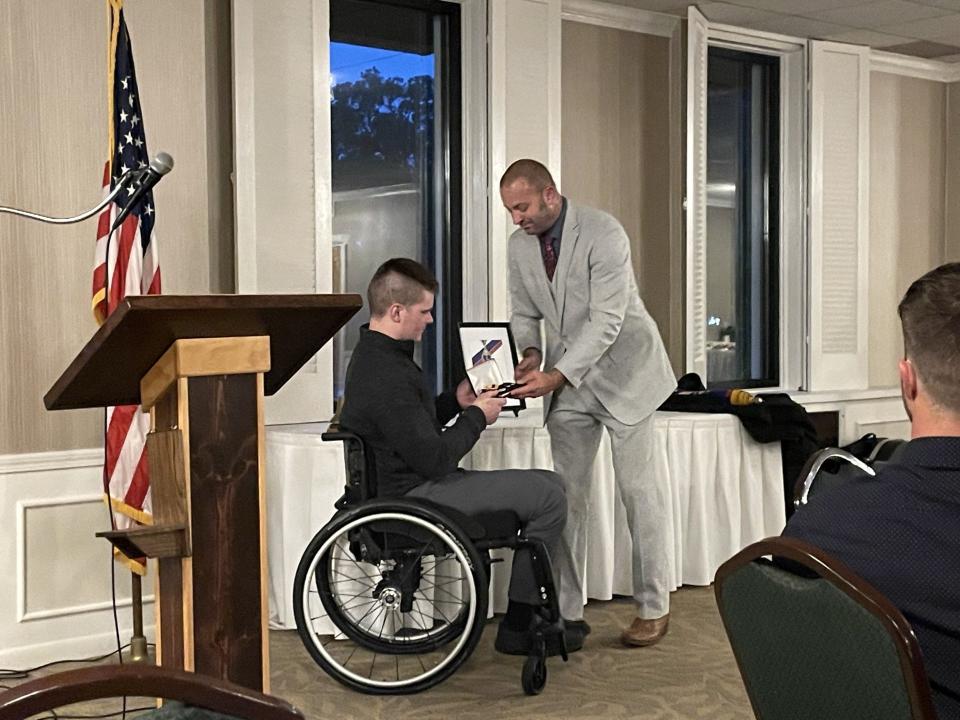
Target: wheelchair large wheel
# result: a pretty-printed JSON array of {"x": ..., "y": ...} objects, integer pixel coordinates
[{"x": 390, "y": 597}]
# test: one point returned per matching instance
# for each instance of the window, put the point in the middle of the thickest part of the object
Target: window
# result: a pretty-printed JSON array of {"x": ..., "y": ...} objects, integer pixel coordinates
[
  {"x": 742, "y": 219},
  {"x": 395, "y": 116}
]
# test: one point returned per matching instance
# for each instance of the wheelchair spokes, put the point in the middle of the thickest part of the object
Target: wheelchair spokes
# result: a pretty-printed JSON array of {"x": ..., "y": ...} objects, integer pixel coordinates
[
  {"x": 400, "y": 604},
  {"x": 392, "y": 601}
]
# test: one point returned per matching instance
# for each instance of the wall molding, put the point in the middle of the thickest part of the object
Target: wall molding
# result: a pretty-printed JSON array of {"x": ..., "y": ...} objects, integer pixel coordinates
[
  {"x": 23, "y": 614},
  {"x": 22, "y": 507},
  {"x": 594, "y": 12},
  {"x": 862, "y": 427},
  {"x": 922, "y": 68},
  {"x": 51, "y": 460}
]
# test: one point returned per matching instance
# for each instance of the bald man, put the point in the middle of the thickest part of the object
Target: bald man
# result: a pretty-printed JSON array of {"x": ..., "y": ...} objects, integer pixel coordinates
[{"x": 605, "y": 366}]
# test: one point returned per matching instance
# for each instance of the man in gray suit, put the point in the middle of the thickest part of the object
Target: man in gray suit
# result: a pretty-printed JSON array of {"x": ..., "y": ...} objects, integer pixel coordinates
[{"x": 605, "y": 367}]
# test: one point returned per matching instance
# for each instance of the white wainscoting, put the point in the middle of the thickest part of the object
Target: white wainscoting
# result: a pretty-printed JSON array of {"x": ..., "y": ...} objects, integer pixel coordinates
[
  {"x": 879, "y": 411},
  {"x": 56, "y": 598}
]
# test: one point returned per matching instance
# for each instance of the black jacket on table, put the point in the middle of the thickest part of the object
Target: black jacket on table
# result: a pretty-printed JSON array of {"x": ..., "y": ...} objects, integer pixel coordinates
[
  {"x": 900, "y": 531},
  {"x": 388, "y": 404}
]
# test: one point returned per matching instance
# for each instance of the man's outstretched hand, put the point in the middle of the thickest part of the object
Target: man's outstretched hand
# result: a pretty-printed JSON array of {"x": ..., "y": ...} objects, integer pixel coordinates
[
  {"x": 531, "y": 361},
  {"x": 534, "y": 383}
]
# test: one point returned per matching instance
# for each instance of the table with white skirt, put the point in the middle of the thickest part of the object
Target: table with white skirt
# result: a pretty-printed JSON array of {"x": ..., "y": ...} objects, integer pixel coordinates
[{"x": 726, "y": 492}]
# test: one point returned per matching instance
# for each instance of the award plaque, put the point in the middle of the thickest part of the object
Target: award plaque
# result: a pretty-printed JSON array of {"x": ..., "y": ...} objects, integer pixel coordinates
[{"x": 490, "y": 358}]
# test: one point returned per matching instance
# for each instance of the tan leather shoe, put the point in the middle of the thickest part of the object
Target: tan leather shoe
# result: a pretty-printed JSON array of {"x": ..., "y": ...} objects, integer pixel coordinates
[{"x": 645, "y": 632}]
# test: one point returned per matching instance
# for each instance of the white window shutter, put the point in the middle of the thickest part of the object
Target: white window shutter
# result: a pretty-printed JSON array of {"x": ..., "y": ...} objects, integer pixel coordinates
[
  {"x": 839, "y": 215},
  {"x": 696, "y": 201}
]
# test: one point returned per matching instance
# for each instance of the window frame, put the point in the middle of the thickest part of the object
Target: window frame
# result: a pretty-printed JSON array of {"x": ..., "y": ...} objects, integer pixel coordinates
[
  {"x": 443, "y": 221},
  {"x": 793, "y": 54},
  {"x": 744, "y": 208}
]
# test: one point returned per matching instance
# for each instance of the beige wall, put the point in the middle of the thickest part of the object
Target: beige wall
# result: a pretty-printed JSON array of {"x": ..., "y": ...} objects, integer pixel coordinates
[
  {"x": 52, "y": 148},
  {"x": 907, "y": 150},
  {"x": 952, "y": 195},
  {"x": 617, "y": 150}
]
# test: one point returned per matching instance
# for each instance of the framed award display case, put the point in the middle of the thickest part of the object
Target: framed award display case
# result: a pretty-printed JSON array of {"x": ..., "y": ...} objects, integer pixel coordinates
[{"x": 490, "y": 357}]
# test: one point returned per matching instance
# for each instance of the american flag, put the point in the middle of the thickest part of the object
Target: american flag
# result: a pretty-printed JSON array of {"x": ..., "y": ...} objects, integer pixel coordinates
[{"x": 133, "y": 268}]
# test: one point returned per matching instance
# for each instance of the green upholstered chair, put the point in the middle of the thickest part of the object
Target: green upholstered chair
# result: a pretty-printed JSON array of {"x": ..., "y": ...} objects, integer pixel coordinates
[
  {"x": 816, "y": 642},
  {"x": 191, "y": 696}
]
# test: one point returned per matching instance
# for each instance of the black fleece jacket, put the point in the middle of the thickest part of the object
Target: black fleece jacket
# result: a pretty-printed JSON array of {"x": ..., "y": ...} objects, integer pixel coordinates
[{"x": 388, "y": 404}]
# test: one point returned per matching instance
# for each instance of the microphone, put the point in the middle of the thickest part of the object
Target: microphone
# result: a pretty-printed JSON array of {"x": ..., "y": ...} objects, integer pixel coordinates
[{"x": 158, "y": 167}]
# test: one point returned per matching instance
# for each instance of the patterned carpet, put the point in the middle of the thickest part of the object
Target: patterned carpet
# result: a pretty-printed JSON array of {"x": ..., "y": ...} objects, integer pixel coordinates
[{"x": 690, "y": 674}]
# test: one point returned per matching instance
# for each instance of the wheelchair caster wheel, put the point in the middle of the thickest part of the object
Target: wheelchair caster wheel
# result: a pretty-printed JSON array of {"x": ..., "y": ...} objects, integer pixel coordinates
[{"x": 534, "y": 674}]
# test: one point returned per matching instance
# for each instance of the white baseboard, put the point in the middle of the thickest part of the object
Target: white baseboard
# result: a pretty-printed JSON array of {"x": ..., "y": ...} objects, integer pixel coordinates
[{"x": 68, "y": 648}]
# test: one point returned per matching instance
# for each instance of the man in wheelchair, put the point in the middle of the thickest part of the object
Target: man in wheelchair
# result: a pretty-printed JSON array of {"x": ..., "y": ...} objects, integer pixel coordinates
[
  {"x": 387, "y": 403},
  {"x": 900, "y": 529}
]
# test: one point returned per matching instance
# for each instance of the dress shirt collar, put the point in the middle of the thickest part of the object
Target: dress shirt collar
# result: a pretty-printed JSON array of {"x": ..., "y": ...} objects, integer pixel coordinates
[
  {"x": 932, "y": 452},
  {"x": 555, "y": 231}
]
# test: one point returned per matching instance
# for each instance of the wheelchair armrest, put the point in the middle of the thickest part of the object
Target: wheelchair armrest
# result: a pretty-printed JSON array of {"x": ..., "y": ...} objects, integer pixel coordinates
[{"x": 815, "y": 464}]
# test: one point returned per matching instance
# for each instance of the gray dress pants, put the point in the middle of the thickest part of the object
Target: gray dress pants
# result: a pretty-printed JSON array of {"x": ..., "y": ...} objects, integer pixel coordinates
[
  {"x": 575, "y": 422},
  {"x": 536, "y": 496}
]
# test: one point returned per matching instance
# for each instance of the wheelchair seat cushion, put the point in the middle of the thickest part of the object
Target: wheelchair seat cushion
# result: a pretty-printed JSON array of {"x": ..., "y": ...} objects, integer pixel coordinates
[{"x": 494, "y": 525}]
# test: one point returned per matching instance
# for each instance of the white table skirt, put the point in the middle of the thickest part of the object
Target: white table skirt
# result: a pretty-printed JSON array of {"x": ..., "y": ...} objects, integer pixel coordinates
[
  {"x": 726, "y": 491},
  {"x": 305, "y": 476}
]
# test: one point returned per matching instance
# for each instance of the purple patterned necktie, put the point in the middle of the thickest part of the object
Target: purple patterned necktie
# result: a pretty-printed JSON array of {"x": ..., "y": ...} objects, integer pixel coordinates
[{"x": 549, "y": 256}]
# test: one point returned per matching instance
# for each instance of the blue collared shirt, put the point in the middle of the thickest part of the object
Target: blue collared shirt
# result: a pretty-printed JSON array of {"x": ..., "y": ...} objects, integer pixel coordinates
[{"x": 900, "y": 531}]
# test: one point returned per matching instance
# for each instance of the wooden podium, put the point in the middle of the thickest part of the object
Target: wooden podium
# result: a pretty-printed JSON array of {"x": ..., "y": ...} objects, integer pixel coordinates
[{"x": 201, "y": 365}]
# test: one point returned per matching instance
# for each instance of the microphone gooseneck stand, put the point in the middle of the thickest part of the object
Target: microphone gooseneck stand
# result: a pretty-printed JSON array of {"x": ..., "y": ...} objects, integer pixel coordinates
[{"x": 121, "y": 184}]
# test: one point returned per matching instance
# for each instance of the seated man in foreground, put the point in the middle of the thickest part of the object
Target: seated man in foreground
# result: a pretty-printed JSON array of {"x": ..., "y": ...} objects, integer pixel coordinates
[
  {"x": 388, "y": 404},
  {"x": 900, "y": 530}
]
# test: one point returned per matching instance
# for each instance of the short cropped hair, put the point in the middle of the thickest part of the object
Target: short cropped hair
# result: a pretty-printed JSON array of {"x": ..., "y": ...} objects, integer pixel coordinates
[
  {"x": 398, "y": 280},
  {"x": 930, "y": 314},
  {"x": 535, "y": 173}
]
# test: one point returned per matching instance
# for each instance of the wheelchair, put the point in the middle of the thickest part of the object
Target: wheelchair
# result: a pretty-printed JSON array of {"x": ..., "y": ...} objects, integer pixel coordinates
[
  {"x": 831, "y": 467},
  {"x": 391, "y": 595}
]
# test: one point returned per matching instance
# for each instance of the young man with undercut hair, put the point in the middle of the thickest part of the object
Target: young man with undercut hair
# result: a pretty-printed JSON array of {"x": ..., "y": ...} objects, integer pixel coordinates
[
  {"x": 388, "y": 404},
  {"x": 900, "y": 530}
]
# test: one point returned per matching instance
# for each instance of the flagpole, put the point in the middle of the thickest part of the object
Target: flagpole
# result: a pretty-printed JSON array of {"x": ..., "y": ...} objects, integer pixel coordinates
[
  {"x": 113, "y": 10},
  {"x": 138, "y": 643}
]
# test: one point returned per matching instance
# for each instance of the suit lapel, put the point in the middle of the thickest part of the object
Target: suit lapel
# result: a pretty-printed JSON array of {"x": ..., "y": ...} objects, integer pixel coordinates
[{"x": 571, "y": 234}]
